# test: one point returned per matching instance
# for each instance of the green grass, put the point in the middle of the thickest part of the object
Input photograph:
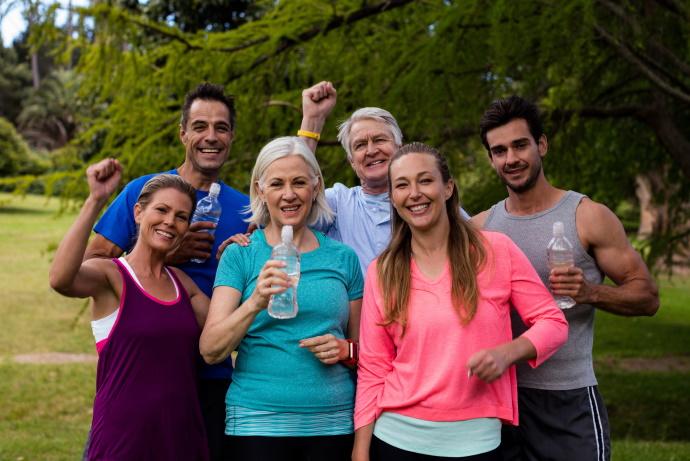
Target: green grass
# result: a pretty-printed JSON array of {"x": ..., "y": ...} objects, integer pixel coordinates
[
  {"x": 45, "y": 410},
  {"x": 665, "y": 334},
  {"x": 645, "y": 404},
  {"x": 34, "y": 318}
]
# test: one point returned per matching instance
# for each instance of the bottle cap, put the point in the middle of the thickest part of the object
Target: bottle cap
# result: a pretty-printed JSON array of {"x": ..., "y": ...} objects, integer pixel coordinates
[
  {"x": 215, "y": 189},
  {"x": 558, "y": 230},
  {"x": 286, "y": 234}
]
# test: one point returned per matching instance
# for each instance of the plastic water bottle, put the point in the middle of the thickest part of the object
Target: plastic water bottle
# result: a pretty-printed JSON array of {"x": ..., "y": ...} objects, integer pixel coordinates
[
  {"x": 284, "y": 305},
  {"x": 208, "y": 209},
  {"x": 560, "y": 254}
]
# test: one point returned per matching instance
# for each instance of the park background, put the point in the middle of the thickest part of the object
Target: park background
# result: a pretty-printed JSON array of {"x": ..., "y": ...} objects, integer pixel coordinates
[{"x": 611, "y": 79}]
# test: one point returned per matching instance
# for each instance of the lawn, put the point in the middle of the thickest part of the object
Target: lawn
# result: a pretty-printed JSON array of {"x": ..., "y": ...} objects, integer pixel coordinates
[{"x": 45, "y": 409}]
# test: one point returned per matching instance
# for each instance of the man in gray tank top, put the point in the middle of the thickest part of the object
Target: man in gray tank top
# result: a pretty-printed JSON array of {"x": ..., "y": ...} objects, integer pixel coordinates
[{"x": 562, "y": 415}]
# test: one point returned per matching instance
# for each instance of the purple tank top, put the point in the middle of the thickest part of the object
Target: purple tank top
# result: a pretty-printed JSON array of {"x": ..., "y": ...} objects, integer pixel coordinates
[{"x": 146, "y": 405}]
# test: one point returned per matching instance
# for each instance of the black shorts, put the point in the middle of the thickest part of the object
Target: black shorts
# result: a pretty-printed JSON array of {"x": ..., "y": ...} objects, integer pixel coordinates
[
  {"x": 316, "y": 448},
  {"x": 567, "y": 425},
  {"x": 212, "y": 401}
]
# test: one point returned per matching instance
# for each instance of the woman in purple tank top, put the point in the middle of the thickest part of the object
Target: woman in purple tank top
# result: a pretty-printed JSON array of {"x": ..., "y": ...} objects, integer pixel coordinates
[{"x": 147, "y": 319}]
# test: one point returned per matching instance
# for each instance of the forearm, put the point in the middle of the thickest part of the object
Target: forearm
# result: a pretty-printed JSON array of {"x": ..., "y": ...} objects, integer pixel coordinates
[
  {"x": 220, "y": 339},
  {"x": 518, "y": 350},
  {"x": 363, "y": 435},
  {"x": 314, "y": 125},
  {"x": 70, "y": 253},
  {"x": 633, "y": 298}
]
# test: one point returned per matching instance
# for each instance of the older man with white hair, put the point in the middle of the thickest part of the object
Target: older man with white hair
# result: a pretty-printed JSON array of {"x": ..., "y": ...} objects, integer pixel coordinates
[{"x": 370, "y": 136}]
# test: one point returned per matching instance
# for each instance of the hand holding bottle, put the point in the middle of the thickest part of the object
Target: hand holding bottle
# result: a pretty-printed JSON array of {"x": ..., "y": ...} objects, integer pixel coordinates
[{"x": 272, "y": 280}]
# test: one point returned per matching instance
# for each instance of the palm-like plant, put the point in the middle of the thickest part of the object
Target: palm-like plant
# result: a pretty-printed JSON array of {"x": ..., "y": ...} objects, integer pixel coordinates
[{"x": 48, "y": 119}]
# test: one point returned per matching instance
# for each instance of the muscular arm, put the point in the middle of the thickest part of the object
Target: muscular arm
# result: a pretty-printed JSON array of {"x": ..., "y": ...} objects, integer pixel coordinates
[{"x": 603, "y": 236}]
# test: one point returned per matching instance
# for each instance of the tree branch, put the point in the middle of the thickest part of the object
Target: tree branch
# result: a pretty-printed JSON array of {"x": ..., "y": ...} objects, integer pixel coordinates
[
  {"x": 626, "y": 54},
  {"x": 661, "y": 122},
  {"x": 337, "y": 21},
  {"x": 668, "y": 54},
  {"x": 675, "y": 7}
]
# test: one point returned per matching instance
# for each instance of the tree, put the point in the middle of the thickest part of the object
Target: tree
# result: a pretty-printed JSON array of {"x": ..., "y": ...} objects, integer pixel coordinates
[
  {"x": 15, "y": 78},
  {"x": 612, "y": 81},
  {"x": 48, "y": 118}
]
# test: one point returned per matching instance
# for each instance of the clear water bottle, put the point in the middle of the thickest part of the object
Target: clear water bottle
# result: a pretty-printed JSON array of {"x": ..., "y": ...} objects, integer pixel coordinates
[
  {"x": 208, "y": 209},
  {"x": 560, "y": 254},
  {"x": 284, "y": 305}
]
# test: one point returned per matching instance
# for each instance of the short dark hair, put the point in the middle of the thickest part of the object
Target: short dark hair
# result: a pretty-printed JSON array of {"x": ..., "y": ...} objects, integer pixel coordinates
[
  {"x": 504, "y": 110},
  {"x": 208, "y": 92}
]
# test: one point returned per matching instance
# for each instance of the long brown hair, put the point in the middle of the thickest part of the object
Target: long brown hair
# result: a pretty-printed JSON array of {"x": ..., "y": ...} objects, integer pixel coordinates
[{"x": 466, "y": 253}]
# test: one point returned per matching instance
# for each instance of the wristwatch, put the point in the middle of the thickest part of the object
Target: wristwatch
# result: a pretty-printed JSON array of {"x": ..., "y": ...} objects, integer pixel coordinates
[{"x": 354, "y": 353}]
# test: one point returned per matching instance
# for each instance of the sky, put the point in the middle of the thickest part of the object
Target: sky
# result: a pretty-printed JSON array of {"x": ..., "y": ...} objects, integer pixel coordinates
[{"x": 13, "y": 24}]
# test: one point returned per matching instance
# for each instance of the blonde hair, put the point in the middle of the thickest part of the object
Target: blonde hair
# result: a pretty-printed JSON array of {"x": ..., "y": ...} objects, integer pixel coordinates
[
  {"x": 320, "y": 213},
  {"x": 166, "y": 181},
  {"x": 466, "y": 253}
]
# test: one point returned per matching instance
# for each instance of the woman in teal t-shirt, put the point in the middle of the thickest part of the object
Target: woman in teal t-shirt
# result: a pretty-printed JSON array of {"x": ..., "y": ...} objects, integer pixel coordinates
[{"x": 292, "y": 395}]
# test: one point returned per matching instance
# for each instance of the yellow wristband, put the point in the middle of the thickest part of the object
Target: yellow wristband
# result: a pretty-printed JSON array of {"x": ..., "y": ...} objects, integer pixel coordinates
[{"x": 309, "y": 134}]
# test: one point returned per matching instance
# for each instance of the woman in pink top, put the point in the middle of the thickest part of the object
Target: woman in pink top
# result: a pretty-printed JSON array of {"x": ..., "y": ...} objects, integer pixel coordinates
[{"x": 435, "y": 375}]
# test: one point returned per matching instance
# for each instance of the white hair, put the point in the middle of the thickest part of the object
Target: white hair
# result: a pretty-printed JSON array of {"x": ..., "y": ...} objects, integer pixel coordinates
[
  {"x": 368, "y": 113},
  {"x": 320, "y": 213}
]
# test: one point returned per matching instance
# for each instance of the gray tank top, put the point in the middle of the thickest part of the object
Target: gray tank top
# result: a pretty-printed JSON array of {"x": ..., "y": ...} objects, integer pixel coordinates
[{"x": 571, "y": 366}]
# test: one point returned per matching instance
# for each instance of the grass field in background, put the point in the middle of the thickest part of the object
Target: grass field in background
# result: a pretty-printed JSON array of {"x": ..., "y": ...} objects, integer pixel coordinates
[{"x": 45, "y": 409}]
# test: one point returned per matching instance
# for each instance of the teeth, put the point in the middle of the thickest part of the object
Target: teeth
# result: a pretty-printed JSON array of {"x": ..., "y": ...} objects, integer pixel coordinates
[
  {"x": 164, "y": 234},
  {"x": 376, "y": 162},
  {"x": 419, "y": 207},
  {"x": 210, "y": 151},
  {"x": 290, "y": 208}
]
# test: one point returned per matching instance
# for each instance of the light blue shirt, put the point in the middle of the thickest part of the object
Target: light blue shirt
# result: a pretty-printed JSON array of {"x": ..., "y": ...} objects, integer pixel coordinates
[
  {"x": 362, "y": 221},
  {"x": 452, "y": 439}
]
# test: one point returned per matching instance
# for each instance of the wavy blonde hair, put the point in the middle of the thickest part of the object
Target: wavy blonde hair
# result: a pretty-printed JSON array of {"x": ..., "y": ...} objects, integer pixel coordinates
[{"x": 466, "y": 253}]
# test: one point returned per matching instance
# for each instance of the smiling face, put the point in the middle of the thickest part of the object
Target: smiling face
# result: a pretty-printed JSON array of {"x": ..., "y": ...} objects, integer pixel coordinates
[
  {"x": 207, "y": 136},
  {"x": 165, "y": 219},
  {"x": 418, "y": 191},
  {"x": 288, "y": 189},
  {"x": 372, "y": 145},
  {"x": 515, "y": 155}
]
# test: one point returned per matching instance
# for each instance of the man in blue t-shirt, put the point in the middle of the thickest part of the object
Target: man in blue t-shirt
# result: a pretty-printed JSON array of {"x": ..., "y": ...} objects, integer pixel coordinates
[{"x": 207, "y": 129}]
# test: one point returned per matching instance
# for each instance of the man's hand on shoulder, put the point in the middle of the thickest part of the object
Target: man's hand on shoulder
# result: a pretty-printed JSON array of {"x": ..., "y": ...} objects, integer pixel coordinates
[{"x": 193, "y": 244}]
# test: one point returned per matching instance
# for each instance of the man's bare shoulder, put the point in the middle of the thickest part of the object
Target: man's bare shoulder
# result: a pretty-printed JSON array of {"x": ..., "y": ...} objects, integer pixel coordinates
[
  {"x": 479, "y": 219},
  {"x": 596, "y": 223}
]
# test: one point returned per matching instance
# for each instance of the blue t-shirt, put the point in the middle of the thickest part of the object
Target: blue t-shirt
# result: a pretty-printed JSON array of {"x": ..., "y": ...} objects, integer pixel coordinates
[
  {"x": 272, "y": 372},
  {"x": 117, "y": 225}
]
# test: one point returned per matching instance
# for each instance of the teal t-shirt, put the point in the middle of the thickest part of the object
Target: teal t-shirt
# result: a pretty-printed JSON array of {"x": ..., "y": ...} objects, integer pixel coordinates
[{"x": 272, "y": 372}]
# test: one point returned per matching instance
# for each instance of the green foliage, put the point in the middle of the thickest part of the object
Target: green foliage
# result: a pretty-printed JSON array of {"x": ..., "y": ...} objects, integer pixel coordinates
[
  {"x": 613, "y": 85},
  {"x": 49, "y": 115},
  {"x": 15, "y": 78},
  {"x": 16, "y": 158}
]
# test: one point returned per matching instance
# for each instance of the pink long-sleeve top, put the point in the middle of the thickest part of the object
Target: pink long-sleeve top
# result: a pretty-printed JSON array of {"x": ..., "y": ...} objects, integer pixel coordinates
[{"x": 423, "y": 374}]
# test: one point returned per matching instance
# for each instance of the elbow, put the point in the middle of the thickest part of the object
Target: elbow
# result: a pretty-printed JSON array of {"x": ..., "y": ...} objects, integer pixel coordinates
[
  {"x": 209, "y": 353},
  {"x": 58, "y": 284},
  {"x": 653, "y": 306},
  {"x": 210, "y": 357}
]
